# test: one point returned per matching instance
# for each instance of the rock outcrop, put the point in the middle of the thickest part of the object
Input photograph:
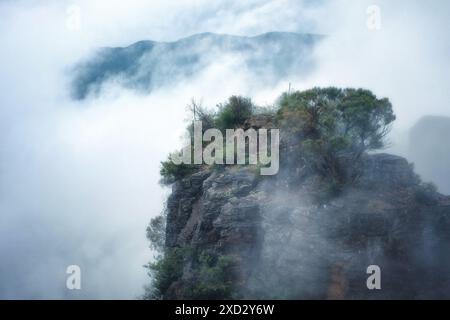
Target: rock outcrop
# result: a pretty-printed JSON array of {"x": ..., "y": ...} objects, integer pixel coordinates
[{"x": 288, "y": 244}]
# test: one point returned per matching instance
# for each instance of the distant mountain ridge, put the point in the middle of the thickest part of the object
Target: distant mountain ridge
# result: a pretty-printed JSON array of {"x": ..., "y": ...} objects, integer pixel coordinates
[{"x": 146, "y": 65}]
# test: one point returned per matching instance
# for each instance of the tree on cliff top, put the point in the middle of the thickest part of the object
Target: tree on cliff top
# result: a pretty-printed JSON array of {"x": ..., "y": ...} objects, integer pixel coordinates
[
  {"x": 331, "y": 124},
  {"x": 335, "y": 125},
  {"x": 355, "y": 115}
]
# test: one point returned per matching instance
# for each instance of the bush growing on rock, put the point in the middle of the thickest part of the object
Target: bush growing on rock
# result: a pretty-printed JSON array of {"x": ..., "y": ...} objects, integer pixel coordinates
[
  {"x": 210, "y": 277},
  {"x": 165, "y": 271},
  {"x": 231, "y": 114},
  {"x": 335, "y": 127},
  {"x": 234, "y": 113}
]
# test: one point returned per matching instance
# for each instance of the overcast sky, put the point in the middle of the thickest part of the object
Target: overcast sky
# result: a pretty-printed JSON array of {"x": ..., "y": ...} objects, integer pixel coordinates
[{"x": 79, "y": 180}]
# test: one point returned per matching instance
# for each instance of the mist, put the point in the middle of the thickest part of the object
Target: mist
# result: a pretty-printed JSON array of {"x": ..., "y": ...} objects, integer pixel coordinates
[{"x": 79, "y": 179}]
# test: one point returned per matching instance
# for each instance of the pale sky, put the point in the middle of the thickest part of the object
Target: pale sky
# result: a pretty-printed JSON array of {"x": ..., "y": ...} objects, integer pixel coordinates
[{"x": 79, "y": 180}]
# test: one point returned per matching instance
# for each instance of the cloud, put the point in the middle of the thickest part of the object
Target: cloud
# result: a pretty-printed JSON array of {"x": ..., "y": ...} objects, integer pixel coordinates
[
  {"x": 79, "y": 180},
  {"x": 405, "y": 60}
]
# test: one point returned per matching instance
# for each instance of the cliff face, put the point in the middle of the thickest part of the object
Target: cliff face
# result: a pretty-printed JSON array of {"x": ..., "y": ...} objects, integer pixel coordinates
[{"x": 287, "y": 243}]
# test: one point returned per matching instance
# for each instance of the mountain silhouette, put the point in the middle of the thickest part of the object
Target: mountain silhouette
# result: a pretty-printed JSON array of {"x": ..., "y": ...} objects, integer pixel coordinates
[{"x": 146, "y": 65}]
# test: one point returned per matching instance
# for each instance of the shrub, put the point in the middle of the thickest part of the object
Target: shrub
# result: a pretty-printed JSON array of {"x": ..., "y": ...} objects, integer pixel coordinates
[
  {"x": 353, "y": 115},
  {"x": 231, "y": 114},
  {"x": 210, "y": 276},
  {"x": 234, "y": 113},
  {"x": 335, "y": 127},
  {"x": 165, "y": 271},
  {"x": 171, "y": 172},
  {"x": 213, "y": 279},
  {"x": 156, "y": 233}
]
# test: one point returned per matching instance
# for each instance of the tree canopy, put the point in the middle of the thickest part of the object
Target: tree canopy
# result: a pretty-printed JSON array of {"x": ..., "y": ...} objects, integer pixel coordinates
[
  {"x": 334, "y": 124},
  {"x": 331, "y": 124}
]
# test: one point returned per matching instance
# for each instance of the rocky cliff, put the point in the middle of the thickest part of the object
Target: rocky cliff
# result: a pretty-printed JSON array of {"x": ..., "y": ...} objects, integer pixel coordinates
[
  {"x": 317, "y": 228},
  {"x": 286, "y": 243}
]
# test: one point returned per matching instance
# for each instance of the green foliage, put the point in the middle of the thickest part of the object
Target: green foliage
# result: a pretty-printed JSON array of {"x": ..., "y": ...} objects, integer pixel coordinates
[
  {"x": 354, "y": 116},
  {"x": 156, "y": 233},
  {"x": 332, "y": 126},
  {"x": 165, "y": 271},
  {"x": 212, "y": 280},
  {"x": 234, "y": 113},
  {"x": 366, "y": 119},
  {"x": 209, "y": 278},
  {"x": 335, "y": 126},
  {"x": 230, "y": 115},
  {"x": 171, "y": 172}
]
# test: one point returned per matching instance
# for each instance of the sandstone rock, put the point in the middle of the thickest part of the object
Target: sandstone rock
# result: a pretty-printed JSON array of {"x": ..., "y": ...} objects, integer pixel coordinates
[{"x": 288, "y": 245}]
